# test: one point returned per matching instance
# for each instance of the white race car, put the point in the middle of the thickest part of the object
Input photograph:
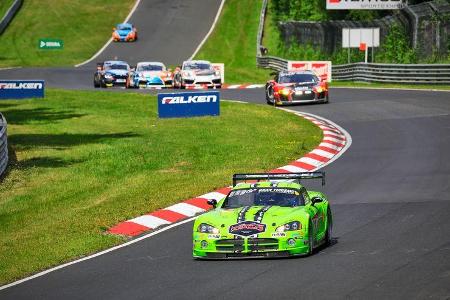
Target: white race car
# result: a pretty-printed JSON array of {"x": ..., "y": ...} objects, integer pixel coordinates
[
  {"x": 197, "y": 73},
  {"x": 150, "y": 75}
]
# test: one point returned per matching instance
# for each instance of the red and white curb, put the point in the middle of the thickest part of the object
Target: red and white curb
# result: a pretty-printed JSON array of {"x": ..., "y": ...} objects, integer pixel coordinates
[{"x": 335, "y": 142}]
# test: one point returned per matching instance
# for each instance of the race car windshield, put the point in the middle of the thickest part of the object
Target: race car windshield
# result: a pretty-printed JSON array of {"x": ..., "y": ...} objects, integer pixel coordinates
[
  {"x": 298, "y": 78},
  {"x": 263, "y": 197},
  {"x": 117, "y": 67},
  {"x": 197, "y": 67},
  {"x": 123, "y": 27},
  {"x": 150, "y": 68}
]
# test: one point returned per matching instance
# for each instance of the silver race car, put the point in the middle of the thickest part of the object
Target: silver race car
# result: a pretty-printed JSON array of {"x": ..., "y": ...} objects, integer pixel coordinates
[{"x": 197, "y": 73}]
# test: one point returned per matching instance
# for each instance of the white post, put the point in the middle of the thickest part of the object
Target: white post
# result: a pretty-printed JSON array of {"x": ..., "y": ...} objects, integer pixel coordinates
[{"x": 366, "y": 54}]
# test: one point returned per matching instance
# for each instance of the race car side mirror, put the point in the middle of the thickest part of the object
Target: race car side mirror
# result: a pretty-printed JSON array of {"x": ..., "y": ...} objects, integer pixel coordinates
[
  {"x": 315, "y": 200},
  {"x": 212, "y": 202}
]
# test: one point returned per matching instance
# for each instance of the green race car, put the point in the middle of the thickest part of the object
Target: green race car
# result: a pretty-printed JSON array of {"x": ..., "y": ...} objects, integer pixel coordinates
[{"x": 272, "y": 216}]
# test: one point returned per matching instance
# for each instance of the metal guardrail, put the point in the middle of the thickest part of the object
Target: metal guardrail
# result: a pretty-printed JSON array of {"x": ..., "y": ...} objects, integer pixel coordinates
[
  {"x": 394, "y": 73},
  {"x": 9, "y": 15},
  {"x": 3, "y": 145},
  {"x": 382, "y": 73}
]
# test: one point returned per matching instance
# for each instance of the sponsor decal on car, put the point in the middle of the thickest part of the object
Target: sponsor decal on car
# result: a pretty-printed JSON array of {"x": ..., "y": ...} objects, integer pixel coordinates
[
  {"x": 278, "y": 234},
  {"x": 247, "y": 228}
]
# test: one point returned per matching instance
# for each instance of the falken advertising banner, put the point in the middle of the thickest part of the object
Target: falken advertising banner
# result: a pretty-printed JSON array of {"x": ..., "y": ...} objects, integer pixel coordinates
[
  {"x": 20, "y": 89},
  {"x": 321, "y": 68},
  {"x": 195, "y": 104},
  {"x": 365, "y": 4}
]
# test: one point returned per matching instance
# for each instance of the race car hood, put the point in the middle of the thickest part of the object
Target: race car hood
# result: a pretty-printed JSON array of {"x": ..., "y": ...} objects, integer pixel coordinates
[
  {"x": 223, "y": 219},
  {"x": 123, "y": 32},
  {"x": 117, "y": 72},
  {"x": 149, "y": 74},
  {"x": 299, "y": 84},
  {"x": 203, "y": 72}
]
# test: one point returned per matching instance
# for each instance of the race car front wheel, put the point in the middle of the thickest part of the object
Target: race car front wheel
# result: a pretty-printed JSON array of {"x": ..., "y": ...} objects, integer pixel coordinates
[
  {"x": 310, "y": 238},
  {"x": 269, "y": 95}
]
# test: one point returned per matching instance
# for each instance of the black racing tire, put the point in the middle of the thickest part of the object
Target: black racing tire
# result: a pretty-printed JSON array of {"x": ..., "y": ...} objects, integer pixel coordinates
[
  {"x": 329, "y": 231},
  {"x": 96, "y": 84},
  {"x": 327, "y": 99},
  {"x": 310, "y": 238},
  {"x": 269, "y": 94}
]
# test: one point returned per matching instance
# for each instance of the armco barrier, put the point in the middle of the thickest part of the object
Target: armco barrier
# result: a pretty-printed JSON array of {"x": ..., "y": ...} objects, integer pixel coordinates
[
  {"x": 382, "y": 73},
  {"x": 3, "y": 145},
  {"x": 9, "y": 15},
  {"x": 394, "y": 73}
]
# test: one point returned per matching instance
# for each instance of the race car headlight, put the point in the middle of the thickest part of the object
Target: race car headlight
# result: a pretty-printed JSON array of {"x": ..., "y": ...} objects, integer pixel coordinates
[
  {"x": 291, "y": 226},
  {"x": 319, "y": 89},
  {"x": 285, "y": 92},
  {"x": 108, "y": 76},
  {"x": 217, "y": 73},
  {"x": 206, "y": 228}
]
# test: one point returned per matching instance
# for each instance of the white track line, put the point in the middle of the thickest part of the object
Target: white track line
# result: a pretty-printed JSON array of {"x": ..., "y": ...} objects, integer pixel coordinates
[
  {"x": 209, "y": 32},
  {"x": 110, "y": 40}
]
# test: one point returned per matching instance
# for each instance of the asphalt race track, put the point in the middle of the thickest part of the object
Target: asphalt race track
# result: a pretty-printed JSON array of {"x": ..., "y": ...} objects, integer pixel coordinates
[{"x": 390, "y": 195}]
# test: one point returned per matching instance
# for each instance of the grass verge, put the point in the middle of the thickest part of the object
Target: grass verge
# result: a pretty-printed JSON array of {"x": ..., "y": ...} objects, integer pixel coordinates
[
  {"x": 233, "y": 42},
  {"x": 84, "y": 28},
  {"x": 84, "y": 161}
]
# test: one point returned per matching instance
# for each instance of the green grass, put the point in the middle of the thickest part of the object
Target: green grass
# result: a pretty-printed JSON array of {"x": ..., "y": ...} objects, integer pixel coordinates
[
  {"x": 83, "y": 26},
  {"x": 4, "y": 6},
  {"x": 233, "y": 42},
  {"x": 82, "y": 162}
]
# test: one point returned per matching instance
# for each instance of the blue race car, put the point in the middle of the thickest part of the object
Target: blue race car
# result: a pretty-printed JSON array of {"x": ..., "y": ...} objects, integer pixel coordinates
[
  {"x": 124, "y": 32},
  {"x": 150, "y": 75},
  {"x": 111, "y": 73}
]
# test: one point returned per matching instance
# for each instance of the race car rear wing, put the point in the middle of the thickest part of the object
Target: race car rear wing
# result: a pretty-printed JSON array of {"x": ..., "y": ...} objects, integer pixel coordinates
[{"x": 279, "y": 176}]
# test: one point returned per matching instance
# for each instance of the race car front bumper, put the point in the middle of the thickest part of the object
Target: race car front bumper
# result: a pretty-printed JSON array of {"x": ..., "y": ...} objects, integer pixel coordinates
[
  {"x": 290, "y": 245},
  {"x": 305, "y": 97}
]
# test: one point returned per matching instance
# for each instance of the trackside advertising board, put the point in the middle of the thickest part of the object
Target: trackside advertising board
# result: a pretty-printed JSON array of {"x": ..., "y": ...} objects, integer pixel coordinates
[
  {"x": 365, "y": 4},
  {"x": 20, "y": 89},
  {"x": 196, "y": 104},
  {"x": 321, "y": 68}
]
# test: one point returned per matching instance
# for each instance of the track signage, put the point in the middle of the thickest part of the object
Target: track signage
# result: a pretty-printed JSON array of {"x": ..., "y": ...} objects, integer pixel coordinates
[
  {"x": 19, "y": 89},
  {"x": 190, "y": 104},
  {"x": 50, "y": 44}
]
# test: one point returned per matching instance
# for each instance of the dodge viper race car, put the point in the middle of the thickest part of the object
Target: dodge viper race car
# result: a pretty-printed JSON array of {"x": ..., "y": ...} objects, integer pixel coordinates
[
  {"x": 296, "y": 87},
  {"x": 197, "y": 73},
  {"x": 125, "y": 32},
  {"x": 111, "y": 73},
  {"x": 273, "y": 216},
  {"x": 150, "y": 75}
]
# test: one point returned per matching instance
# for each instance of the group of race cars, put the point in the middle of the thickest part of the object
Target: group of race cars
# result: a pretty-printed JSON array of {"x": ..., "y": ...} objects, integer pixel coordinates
[{"x": 155, "y": 75}]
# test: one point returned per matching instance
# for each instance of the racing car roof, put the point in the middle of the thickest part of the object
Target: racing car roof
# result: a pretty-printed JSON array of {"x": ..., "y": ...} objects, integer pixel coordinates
[{"x": 115, "y": 62}]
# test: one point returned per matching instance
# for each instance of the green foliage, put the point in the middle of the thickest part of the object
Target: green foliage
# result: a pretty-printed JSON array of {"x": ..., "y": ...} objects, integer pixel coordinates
[
  {"x": 395, "y": 47},
  {"x": 307, "y": 10}
]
